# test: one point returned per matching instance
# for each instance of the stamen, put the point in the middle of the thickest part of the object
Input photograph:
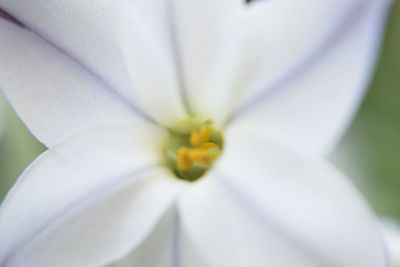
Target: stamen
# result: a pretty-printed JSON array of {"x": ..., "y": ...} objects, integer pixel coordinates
[
  {"x": 186, "y": 157},
  {"x": 209, "y": 145},
  {"x": 202, "y": 156},
  {"x": 184, "y": 160},
  {"x": 193, "y": 147},
  {"x": 200, "y": 136}
]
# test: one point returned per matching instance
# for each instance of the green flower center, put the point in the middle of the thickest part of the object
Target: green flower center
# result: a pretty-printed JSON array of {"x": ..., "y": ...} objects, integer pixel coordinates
[{"x": 194, "y": 145}]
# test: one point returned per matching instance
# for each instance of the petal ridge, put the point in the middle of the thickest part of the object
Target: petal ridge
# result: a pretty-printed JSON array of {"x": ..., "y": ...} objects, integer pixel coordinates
[
  {"x": 73, "y": 209},
  {"x": 125, "y": 100},
  {"x": 356, "y": 13}
]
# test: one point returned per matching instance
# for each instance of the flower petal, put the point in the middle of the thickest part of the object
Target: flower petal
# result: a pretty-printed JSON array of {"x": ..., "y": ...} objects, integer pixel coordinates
[
  {"x": 54, "y": 96},
  {"x": 125, "y": 43},
  {"x": 264, "y": 205},
  {"x": 66, "y": 181},
  {"x": 198, "y": 25},
  {"x": 263, "y": 42},
  {"x": 391, "y": 232},
  {"x": 291, "y": 60},
  {"x": 157, "y": 250},
  {"x": 103, "y": 231},
  {"x": 189, "y": 254},
  {"x": 311, "y": 107}
]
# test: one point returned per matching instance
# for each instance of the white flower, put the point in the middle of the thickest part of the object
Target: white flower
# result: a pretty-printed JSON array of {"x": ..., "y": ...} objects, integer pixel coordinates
[{"x": 98, "y": 82}]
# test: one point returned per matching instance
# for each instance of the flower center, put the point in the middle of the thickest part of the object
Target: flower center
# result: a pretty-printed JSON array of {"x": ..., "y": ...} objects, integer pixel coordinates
[{"x": 193, "y": 147}]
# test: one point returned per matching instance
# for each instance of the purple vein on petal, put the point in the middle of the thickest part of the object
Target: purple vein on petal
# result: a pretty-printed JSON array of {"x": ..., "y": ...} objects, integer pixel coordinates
[
  {"x": 355, "y": 13},
  {"x": 7, "y": 16}
]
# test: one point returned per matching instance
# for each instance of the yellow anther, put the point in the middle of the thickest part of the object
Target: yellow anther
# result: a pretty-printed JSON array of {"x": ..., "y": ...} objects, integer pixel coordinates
[
  {"x": 186, "y": 157},
  {"x": 209, "y": 145},
  {"x": 202, "y": 156},
  {"x": 184, "y": 161},
  {"x": 200, "y": 152},
  {"x": 194, "y": 145},
  {"x": 200, "y": 136}
]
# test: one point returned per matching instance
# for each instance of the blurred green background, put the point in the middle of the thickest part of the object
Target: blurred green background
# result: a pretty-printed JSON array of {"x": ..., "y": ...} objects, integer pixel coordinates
[{"x": 369, "y": 152}]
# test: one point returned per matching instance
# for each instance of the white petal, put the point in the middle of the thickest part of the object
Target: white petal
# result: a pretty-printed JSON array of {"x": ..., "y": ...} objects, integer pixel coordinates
[
  {"x": 67, "y": 178},
  {"x": 265, "y": 48},
  {"x": 103, "y": 230},
  {"x": 159, "y": 247},
  {"x": 162, "y": 248},
  {"x": 120, "y": 41},
  {"x": 264, "y": 41},
  {"x": 312, "y": 105},
  {"x": 391, "y": 232},
  {"x": 53, "y": 95},
  {"x": 198, "y": 25},
  {"x": 264, "y": 205},
  {"x": 189, "y": 254}
]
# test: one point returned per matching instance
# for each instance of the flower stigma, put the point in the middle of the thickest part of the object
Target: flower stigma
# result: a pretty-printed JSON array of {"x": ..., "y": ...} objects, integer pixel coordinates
[{"x": 194, "y": 145}]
